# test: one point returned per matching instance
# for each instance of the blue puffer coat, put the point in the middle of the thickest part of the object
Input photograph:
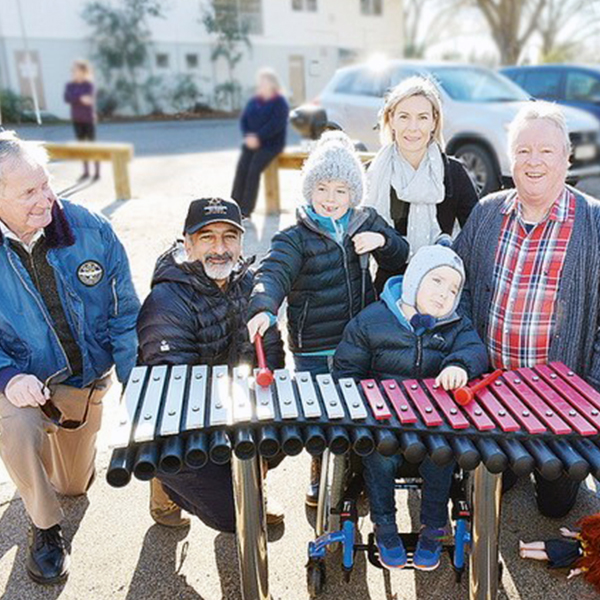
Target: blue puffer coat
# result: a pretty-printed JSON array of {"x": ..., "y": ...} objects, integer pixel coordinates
[
  {"x": 380, "y": 343},
  {"x": 95, "y": 287}
]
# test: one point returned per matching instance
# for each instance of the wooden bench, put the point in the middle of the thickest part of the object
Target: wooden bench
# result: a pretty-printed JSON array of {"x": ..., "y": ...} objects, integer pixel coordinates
[
  {"x": 291, "y": 159},
  {"x": 119, "y": 154}
]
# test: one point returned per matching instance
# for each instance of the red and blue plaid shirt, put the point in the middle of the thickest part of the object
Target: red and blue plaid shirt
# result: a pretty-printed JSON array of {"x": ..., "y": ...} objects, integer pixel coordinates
[{"x": 527, "y": 274}]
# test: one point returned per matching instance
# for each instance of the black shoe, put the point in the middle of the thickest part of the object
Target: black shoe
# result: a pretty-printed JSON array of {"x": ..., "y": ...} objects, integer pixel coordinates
[
  {"x": 312, "y": 493},
  {"x": 48, "y": 558}
]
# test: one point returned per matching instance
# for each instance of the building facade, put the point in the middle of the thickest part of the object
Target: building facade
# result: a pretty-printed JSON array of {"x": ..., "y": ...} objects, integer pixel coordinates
[{"x": 305, "y": 41}]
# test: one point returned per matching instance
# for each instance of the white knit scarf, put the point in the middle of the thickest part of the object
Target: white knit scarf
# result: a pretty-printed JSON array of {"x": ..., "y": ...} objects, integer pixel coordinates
[{"x": 423, "y": 188}]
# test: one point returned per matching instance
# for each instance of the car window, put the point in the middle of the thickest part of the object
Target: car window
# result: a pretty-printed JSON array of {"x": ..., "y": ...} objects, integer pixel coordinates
[
  {"x": 363, "y": 82},
  {"x": 543, "y": 84},
  {"x": 399, "y": 75},
  {"x": 469, "y": 84},
  {"x": 582, "y": 87}
]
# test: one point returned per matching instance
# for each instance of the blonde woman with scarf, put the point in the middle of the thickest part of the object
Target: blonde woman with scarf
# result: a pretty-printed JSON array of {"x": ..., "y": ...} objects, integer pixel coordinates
[{"x": 413, "y": 184}]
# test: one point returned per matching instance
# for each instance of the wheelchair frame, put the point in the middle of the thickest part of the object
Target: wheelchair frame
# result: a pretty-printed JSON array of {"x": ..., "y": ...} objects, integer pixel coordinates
[{"x": 337, "y": 522}]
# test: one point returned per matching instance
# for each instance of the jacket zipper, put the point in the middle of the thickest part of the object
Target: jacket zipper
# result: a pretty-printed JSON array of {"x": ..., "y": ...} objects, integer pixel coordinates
[
  {"x": 302, "y": 320},
  {"x": 115, "y": 297},
  {"x": 419, "y": 356},
  {"x": 43, "y": 311},
  {"x": 348, "y": 284}
]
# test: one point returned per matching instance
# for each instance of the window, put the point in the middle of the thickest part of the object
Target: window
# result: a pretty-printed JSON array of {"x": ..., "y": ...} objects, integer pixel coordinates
[
  {"x": 191, "y": 61},
  {"x": 162, "y": 60},
  {"x": 306, "y": 5},
  {"x": 582, "y": 87},
  {"x": 543, "y": 84},
  {"x": 363, "y": 83},
  {"x": 371, "y": 7},
  {"x": 247, "y": 12}
]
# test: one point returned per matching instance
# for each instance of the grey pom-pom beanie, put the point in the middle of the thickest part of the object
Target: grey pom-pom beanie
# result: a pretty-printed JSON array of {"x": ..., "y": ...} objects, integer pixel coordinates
[
  {"x": 334, "y": 159},
  {"x": 426, "y": 259}
]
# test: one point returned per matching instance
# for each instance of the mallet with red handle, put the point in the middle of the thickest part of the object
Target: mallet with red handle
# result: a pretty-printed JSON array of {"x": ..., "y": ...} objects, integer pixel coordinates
[
  {"x": 464, "y": 395},
  {"x": 264, "y": 377}
]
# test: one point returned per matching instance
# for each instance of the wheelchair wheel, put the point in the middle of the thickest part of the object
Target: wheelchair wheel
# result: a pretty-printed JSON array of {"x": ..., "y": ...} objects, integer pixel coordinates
[
  {"x": 334, "y": 472},
  {"x": 315, "y": 577}
]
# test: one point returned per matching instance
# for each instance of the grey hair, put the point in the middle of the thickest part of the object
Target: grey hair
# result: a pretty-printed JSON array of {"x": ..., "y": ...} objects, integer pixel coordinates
[
  {"x": 412, "y": 86},
  {"x": 271, "y": 76},
  {"x": 533, "y": 111},
  {"x": 12, "y": 147}
]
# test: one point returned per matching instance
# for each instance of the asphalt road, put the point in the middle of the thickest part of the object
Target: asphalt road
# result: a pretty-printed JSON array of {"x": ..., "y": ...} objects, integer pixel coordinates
[{"x": 117, "y": 551}]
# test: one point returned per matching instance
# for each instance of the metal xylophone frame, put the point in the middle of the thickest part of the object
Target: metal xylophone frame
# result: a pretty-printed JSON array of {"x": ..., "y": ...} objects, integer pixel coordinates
[{"x": 547, "y": 431}]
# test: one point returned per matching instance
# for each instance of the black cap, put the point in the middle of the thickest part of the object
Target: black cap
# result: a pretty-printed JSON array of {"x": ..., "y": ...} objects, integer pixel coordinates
[{"x": 212, "y": 210}]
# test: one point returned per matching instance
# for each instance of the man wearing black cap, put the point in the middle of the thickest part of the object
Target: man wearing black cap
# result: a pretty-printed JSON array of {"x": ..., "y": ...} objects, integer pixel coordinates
[{"x": 196, "y": 314}]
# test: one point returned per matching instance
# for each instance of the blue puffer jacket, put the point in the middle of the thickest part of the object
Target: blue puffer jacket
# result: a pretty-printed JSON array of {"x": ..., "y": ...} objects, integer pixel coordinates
[
  {"x": 380, "y": 343},
  {"x": 95, "y": 287}
]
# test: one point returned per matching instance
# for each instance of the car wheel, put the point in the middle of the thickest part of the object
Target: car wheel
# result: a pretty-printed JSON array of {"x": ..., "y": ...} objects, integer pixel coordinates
[{"x": 481, "y": 167}]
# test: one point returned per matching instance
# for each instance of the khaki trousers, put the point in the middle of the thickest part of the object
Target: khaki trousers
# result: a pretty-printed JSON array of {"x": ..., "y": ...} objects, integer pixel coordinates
[{"x": 43, "y": 459}]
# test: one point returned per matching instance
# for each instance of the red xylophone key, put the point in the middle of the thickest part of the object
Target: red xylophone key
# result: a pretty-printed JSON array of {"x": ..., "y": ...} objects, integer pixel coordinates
[
  {"x": 583, "y": 387},
  {"x": 423, "y": 404},
  {"x": 447, "y": 405},
  {"x": 375, "y": 399},
  {"x": 557, "y": 403},
  {"x": 497, "y": 411},
  {"x": 404, "y": 411}
]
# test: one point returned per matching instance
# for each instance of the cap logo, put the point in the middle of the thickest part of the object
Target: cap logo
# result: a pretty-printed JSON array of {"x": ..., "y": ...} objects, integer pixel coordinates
[{"x": 215, "y": 207}]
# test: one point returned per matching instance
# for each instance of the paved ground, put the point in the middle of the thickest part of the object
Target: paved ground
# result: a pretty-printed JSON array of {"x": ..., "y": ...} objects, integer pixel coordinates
[{"x": 117, "y": 551}]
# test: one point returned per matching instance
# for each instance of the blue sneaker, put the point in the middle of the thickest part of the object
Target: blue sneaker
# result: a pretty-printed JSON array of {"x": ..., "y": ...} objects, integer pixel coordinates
[
  {"x": 429, "y": 549},
  {"x": 391, "y": 549}
]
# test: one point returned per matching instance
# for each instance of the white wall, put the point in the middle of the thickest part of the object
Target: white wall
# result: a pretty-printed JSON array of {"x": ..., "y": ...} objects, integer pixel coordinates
[{"x": 56, "y": 30}]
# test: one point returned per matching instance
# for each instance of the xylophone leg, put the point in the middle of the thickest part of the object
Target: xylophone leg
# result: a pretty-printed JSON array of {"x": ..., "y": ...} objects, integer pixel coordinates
[
  {"x": 251, "y": 527},
  {"x": 484, "y": 571}
]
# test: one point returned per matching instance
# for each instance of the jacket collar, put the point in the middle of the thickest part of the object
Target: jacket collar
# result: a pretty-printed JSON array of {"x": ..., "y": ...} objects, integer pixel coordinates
[{"x": 59, "y": 233}]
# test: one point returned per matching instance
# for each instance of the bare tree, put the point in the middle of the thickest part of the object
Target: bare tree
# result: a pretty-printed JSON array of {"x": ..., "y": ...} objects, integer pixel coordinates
[
  {"x": 564, "y": 24},
  {"x": 421, "y": 33},
  {"x": 511, "y": 23}
]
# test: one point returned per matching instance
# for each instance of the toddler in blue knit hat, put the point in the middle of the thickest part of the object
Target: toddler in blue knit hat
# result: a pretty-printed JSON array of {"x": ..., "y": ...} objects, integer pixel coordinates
[
  {"x": 414, "y": 331},
  {"x": 320, "y": 264}
]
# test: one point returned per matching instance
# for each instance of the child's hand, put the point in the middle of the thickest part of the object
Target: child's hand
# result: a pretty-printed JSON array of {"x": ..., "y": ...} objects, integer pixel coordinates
[
  {"x": 367, "y": 241},
  {"x": 252, "y": 141},
  {"x": 258, "y": 324},
  {"x": 452, "y": 378}
]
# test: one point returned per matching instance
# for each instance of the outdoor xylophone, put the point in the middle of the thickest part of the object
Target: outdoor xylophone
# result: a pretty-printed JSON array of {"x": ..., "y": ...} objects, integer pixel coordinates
[{"x": 545, "y": 417}]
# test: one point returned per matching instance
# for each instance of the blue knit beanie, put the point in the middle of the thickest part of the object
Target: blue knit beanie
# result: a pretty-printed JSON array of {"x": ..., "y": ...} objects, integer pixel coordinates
[{"x": 334, "y": 159}]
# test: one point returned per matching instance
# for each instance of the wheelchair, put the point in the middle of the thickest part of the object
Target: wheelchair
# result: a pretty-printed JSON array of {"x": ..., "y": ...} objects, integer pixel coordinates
[{"x": 337, "y": 517}]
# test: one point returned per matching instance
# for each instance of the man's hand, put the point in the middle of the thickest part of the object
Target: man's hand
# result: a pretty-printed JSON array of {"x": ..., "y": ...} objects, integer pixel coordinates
[
  {"x": 258, "y": 324},
  {"x": 452, "y": 378},
  {"x": 367, "y": 241},
  {"x": 252, "y": 141},
  {"x": 26, "y": 390}
]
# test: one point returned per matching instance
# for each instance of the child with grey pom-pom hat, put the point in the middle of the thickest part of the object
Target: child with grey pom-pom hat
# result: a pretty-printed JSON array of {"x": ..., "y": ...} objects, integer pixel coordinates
[{"x": 320, "y": 264}]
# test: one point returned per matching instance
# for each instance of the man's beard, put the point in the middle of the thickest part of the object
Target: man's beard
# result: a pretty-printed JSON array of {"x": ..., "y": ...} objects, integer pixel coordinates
[{"x": 221, "y": 271}]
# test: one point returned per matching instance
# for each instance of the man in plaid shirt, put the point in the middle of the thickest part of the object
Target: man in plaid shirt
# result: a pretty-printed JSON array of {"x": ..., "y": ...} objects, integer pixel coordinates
[{"x": 532, "y": 256}]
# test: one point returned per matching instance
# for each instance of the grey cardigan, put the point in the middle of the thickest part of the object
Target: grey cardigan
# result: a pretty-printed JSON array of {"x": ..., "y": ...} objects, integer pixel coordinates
[{"x": 576, "y": 337}]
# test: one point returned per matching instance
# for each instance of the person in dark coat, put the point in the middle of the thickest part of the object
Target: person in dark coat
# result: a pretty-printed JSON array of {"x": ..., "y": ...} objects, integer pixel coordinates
[
  {"x": 321, "y": 264},
  {"x": 196, "y": 314},
  {"x": 263, "y": 124},
  {"x": 413, "y": 184},
  {"x": 81, "y": 95},
  {"x": 413, "y": 332}
]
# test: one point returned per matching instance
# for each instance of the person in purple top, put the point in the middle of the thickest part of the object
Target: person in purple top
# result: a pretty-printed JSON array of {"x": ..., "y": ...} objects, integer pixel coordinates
[
  {"x": 263, "y": 124},
  {"x": 80, "y": 94}
]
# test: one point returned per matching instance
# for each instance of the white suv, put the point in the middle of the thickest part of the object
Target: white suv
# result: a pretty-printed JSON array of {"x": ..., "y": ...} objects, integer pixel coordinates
[{"x": 478, "y": 105}]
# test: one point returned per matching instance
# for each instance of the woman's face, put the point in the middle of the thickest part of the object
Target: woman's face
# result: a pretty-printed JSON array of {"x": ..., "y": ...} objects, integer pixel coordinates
[
  {"x": 265, "y": 88},
  {"x": 78, "y": 74},
  {"x": 331, "y": 199},
  {"x": 413, "y": 124}
]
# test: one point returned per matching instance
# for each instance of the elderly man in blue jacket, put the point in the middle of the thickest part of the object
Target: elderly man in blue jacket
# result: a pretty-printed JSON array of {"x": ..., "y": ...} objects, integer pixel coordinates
[{"x": 68, "y": 311}]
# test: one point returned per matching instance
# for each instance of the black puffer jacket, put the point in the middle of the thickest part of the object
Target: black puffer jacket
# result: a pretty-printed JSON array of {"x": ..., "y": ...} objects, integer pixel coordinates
[
  {"x": 379, "y": 344},
  {"x": 188, "y": 319},
  {"x": 321, "y": 278}
]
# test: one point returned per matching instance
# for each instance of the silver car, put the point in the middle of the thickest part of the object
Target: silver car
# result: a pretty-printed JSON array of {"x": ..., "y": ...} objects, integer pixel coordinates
[{"x": 478, "y": 106}]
